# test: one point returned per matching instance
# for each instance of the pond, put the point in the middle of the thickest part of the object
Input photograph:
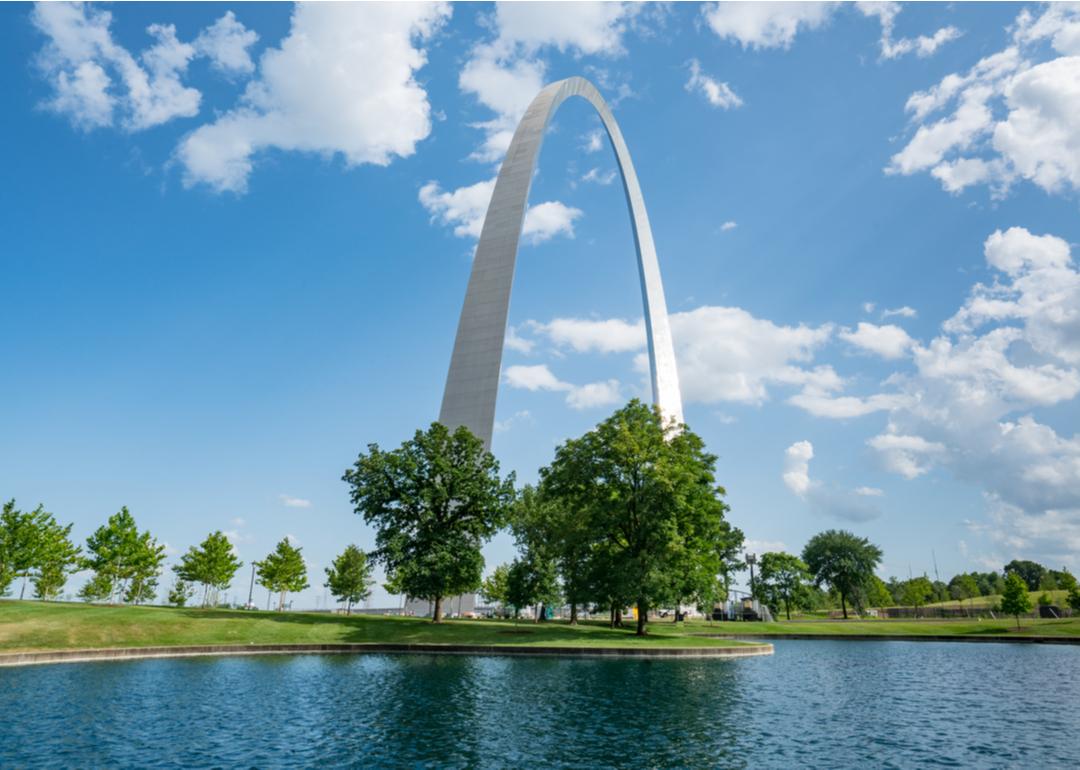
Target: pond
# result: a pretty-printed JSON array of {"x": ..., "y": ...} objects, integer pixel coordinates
[{"x": 813, "y": 704}]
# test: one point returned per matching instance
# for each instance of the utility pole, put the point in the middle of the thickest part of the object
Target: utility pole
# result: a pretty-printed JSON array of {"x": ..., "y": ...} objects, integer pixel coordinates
[
  {"x": 933, "y": 556},
  {"x": 251, "y": 588}
]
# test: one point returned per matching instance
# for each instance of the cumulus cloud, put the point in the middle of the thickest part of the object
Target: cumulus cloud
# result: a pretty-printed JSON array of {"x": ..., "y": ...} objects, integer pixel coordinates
[
  {"x": 464, "y": 210},
  {"x": 226, "y": 43},
  {"x": 1012, "y": 116},
  {"x": 765, "y": 25},
  {"x": 540, "y": 377},
  {"x": 922, "y": 46},
  {"x": 829, "y": 501},
  {"x": 612, "y": 335},
  {"x": 886, "y": 341},
  {"x": 716, "y": 93},
  {"x": 342, "y": 83}
]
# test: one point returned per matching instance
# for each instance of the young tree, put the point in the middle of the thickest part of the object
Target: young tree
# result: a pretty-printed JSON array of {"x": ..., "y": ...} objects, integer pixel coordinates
[
  {"x": 963, "y": 587},
  {"x": 57, "y": 558},
  {"x": 841, "y": 560},
  {"x": 917, "y": 592},
  {"x": 212, "y": 563},
  {"x": 782, "y": 579},
  {"x": 495, "y": 586},
  {"x": 877, "y": 593},
  {"x": 434, "y": 502},
  {"x": 1015, "y": 600},
  {"x": 283, "y": 571},
  {"x": 1073, "y": 599},
  {"x": 531, "y": 581},
  {"x": 124, "y": 561},
  {"x": 20, "y": 533},
  {"x": 349, "y": 577},
  {"x": 647, "y": 492},
  {"x": 180, "y": 592},
  {"x": 98, "y": 588}
]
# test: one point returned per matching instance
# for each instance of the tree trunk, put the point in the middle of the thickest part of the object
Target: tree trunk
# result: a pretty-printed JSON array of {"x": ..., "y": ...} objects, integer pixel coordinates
[
  {"x": 642, "y": 614},
  {"x": 611, "y": 617},
  {"x": 843, "y": 604},
  {"x": 573, "y": 614},
  {"x": 436, "y": 613},
  {"x": 618, "y": 617},
  {"x": 281, "y": 602},
  {"x": 348, "y": 607},
  {"x": 22, "y": 593},
  {"x": 787, "y": 609}
]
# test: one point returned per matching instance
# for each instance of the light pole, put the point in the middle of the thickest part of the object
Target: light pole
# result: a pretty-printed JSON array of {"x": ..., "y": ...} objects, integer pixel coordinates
[{"x": 751, "y": 560}]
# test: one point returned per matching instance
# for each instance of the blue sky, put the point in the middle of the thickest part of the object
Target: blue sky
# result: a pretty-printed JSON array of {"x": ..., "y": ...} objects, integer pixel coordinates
[{"x": 235, "y": 241}]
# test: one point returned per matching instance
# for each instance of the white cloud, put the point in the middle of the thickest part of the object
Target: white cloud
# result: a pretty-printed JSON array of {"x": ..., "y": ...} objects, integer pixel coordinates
[
  {"x": 887, "y": 341},
  {"x": 922, "y": 46},
  {"x": 502, "y": 426},
  {"x": 869, "y": 492},
  {"x": 341, "y": 83},
  {"x": 594, "y": 141},
  {"x": 293, "y": 539},
  {"x": 464, "y": 210},
  {"x": 584, "y": 28},
  {"x": 611, "y": 335},
  {"x": 1014, "y": 116},
  {"x": 765, "y": 25},
  {"x": 516, "y": 342},
  {"x": 294, "y": 502},
  {"x": 81, "y": 60},
  {"x": 599, "y": 177},
  {"x": 829, "y": 501},
  {"x": 909, "y": 456},
  {"x": 716, "y": 93},
  {"x": 226, "y": 43},
  {"x": 902, "y": 312},
  {"x": 797, "y": 467},
  {"x": 868, "y": 307},
  {"x": 729, "y": 225},
  {"x": 764, "y": 546},
  {"x": 540, "y": 377},
  {"x": 823, "y": 404}
]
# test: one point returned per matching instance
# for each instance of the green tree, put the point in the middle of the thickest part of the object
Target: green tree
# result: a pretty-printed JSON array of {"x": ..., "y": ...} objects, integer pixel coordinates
[
  {"x": 57, "y": 558},
  {"x": 349, "y": 577},
  {"x": 531, "y": 581},
  {"x": 782, "y": 579},
  {"x": 1032, "y": 572},
  {"x": 212, "y": 564},
  {"x": 963, "y": 587},
  {"x": 98, "y": 588},
  {"x": 1073, "y": 599},
  {"x": 647, "y": 492},
  {"x": 1063, "y": 579},
  {"x": 841, "y": 560},
  {"x": 180, "y": 592},
  {"x": 124, "y": 561},
  {"x": 434, "y": 502},
  {"x": 1015, "y": 600},
  {"x": 20, "y": 543},
  {"x": 495, "y": 586},
  {"x": 283, "y": 571},
  {"x": 877, "y": 593},
  {"x": 917, "y": 592}
]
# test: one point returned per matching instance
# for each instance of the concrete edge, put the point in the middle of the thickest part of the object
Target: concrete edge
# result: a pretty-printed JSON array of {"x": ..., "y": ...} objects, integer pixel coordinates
[
  {"x": 902, "y": 638},
  {"x": 220, "y": 650}
]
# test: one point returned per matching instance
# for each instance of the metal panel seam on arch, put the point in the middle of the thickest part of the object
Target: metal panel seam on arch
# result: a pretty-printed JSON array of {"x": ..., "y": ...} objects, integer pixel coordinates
[{"x": 473, "y": 381}]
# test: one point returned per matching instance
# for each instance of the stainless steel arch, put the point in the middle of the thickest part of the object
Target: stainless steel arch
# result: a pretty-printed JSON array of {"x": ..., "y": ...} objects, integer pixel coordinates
[{"x": 473, "y": 382}]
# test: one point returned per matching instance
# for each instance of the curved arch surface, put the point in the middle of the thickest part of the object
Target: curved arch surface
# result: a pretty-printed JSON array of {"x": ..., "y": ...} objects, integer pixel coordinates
[{"x": 472, "y": 384}]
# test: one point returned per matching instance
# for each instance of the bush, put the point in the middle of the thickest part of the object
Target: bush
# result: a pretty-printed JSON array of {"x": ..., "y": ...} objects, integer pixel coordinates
[{"x": 1045, "y": 600}]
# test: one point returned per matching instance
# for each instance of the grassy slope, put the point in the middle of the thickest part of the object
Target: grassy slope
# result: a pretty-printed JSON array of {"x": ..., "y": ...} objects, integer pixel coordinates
[
  {"x": 982, "y": 602},
  {"x": 963, "y": 627},
  {"x": 47, "y": 626}
]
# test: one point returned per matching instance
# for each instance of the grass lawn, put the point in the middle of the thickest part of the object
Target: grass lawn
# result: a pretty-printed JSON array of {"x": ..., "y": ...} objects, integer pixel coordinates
[
  {"x": 983, "y": 602},
  {"x": 32, "y": 625},
  {"x": 930, "y": 627}
]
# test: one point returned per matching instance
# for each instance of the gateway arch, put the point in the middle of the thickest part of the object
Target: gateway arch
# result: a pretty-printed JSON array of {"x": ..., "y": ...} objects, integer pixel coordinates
[{"x": 473, "y": 382}]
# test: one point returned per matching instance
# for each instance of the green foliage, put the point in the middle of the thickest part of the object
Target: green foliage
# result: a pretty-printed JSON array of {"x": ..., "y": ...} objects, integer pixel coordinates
[
  {"x": 1063, "y": 579},
  {"x": 1073, "y": 599},
  {"x": 34, "y": 546},
  {"x": 877, "y": 593},
  {"x": 1031, "y": 572},
  {"x": 841, "y": 560},
  {"x": 97, "y": 589},
  {"x": 349, "y": 577},
  {"x": 434, "y": 502},
  {"x": 1015, "y": 600},
  {"x": 283, "y": 571},
  {"x": 645, "y": 498},
  {"x": 783, "y": 581},
  {"x": 963, "y": 587},
  {"x": 126, "y": 563},
  {"x": 180, "y": 592},
  {"x": 917, "y": 592},
  {"x": 531, "y": 581},
  {"x": 212, "y": 564},
  {"x": 495, "y": 586},
  {"x": 1045, "y": 600}
]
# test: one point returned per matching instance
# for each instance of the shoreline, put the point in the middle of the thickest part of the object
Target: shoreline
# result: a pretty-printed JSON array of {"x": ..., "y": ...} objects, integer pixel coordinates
[
  {"x": 42, "y": 657},
  {"x": 899, "y": 638}
]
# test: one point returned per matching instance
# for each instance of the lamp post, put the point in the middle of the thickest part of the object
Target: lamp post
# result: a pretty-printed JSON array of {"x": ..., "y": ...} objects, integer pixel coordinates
[{"x": 751, "y": 560}]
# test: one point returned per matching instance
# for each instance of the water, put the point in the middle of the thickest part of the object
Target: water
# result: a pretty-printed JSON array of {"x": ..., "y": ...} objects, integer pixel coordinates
[{"x": 812, "y": 704}]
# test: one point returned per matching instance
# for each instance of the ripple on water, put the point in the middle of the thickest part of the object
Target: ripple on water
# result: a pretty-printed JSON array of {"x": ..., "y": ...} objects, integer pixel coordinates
[{"x": 815, "y": 704}]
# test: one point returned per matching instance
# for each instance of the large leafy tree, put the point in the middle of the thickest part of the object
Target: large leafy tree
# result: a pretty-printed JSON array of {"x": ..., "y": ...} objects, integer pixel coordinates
[
  {"x": 434, "y": 502},
  {"x": 1030, "y": 571},
  {"x": 917, "y": 592},
  {"x": 1015, "y": 599},
  {"x": 841, "y": 560},
  {"x": 783, "y": 580},
  {"x": 34, "y": 546},
  {"x": 283, "y": 571},
  {"x": 126, "y": 562},
  {"x": 212, "y": 564},
  {"x": 648, "y": 495},
  {"x": 349, "y": 577}
]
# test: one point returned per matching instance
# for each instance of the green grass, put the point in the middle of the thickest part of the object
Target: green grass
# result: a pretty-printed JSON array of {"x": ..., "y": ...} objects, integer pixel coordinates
[
  {"x": 993, "y": 600},
  {"x": 32, "y": 625},
  {"x": 931, "y": 627}
]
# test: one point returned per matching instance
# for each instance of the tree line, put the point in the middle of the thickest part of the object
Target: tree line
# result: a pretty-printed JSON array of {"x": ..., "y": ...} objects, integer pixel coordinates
[{"x": 127, "y": 563}]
